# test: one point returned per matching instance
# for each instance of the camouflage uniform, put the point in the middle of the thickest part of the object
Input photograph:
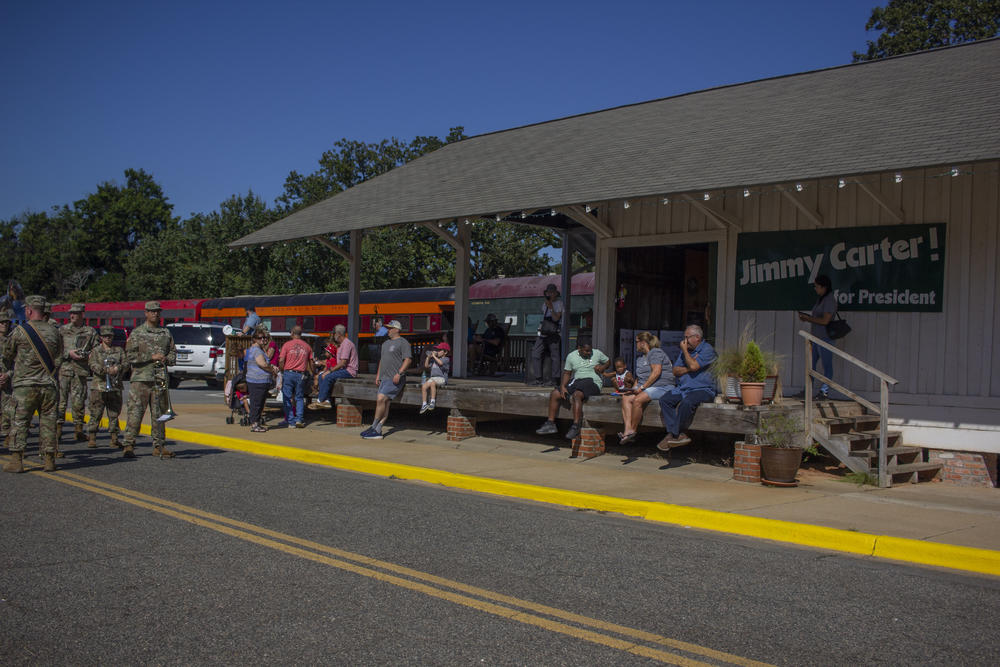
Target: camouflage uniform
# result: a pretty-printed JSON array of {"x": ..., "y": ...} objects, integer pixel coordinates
[
  {"x": 100, "y": 399},
  {"x": 6, "y": 396},
  {"x": 34, "y": 388},
  {"x": 73, "y": 373},
  {"x": 144, "y": 342}
]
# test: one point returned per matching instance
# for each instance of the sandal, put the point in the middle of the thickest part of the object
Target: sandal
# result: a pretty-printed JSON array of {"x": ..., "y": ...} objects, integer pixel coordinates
[
  {"x": 258, "y": 429},
  {"x": 626, "y": 438}
]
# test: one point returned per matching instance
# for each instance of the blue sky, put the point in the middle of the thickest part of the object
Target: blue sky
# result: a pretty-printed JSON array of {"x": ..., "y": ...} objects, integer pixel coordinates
[{"x": 216, "y": 99}]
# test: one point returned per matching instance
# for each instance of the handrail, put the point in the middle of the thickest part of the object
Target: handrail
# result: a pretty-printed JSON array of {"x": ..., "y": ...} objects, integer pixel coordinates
[{"x": 884, "y": 479}]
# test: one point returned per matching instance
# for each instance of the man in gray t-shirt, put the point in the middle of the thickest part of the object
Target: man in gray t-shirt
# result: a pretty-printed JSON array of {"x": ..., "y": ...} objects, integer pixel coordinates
[{"x": 390, "y": 378}]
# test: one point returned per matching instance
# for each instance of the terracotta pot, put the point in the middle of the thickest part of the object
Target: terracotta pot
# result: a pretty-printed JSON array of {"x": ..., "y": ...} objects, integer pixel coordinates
[
  {"x": 752, "y": 392},
  {"x": 779, "y": 464}
]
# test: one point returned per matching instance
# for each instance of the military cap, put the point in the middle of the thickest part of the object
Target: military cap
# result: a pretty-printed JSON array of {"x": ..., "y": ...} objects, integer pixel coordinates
[
  {"x": 107, "y": 330},
  {"x": 78, "y": 308},
  {"x": 6, "y": 316},
  {"x": 35, "y": 301},
  {"x": 153, "y": 305}
]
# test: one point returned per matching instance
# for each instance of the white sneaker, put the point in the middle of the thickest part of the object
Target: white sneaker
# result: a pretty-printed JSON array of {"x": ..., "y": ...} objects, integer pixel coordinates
[
  {"x": 431, "y": 406},
  {"x": 424, "y": 408}
]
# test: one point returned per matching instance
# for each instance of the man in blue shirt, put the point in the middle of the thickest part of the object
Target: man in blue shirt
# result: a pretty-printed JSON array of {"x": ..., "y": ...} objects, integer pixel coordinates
[
  {"x": 252, "y": 321},
  {"x": 695, "y": 385}
]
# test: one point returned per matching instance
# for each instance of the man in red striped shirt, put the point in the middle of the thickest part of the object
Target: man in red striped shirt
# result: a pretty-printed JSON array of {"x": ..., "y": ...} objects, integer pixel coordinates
[{"x": 295, "y": 363}]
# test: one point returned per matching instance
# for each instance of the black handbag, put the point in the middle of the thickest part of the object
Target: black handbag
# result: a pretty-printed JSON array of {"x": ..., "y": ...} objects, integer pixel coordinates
[
  {"x": 838, "y": 328},
  {"x": 548, "y": 327}
]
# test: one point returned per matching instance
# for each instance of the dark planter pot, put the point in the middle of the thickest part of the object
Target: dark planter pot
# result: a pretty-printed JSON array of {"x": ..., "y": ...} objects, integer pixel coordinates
[{"x": 779, "y": 464}]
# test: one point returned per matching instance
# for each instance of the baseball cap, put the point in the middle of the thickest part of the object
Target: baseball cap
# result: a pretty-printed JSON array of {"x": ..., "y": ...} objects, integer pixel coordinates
[
  {"x": 443, "y": 346},
  {"x": 393, "y": 324}
]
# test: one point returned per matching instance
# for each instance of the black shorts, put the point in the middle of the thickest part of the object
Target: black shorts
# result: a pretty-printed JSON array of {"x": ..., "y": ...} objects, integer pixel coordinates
[{"x": 585, "y": 385}]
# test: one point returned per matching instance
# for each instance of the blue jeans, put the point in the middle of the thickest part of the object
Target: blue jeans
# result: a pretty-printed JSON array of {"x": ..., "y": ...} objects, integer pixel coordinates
[
  {"x": 677, "y": 409},
  {"x": 292, "y": 388},
  {"x": 827, "y": 357},
  {"x": 326, "y": 384}
]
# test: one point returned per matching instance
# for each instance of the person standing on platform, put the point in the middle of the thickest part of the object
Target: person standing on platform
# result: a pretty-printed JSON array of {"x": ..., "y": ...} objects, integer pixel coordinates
[
  {"x": 34, "y": 351},
  {"x": 548, "y": 340},
  {"x": 109, "y": 366},
  {"x": 78, "y": 341},
  {"x": 295, "y": 363},
  {"x": 390, "y": 378},
  {"x": 6, "y": 396},
  {"x": 149, "y": 350},
  {"x": 251, "y": 322}
]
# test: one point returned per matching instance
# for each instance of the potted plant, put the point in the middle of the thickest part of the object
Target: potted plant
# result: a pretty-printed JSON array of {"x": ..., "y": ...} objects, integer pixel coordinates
[
  {"x": 728, "y": 365},
  {"x": 781, "y": 437},
  {"x": 752, "y": 373}
]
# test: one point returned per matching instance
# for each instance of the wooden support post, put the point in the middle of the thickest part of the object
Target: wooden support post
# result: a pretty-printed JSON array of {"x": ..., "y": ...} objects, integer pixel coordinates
[
  {"x": 354, "y": 290},
  {"x": 605, "y": 275},
  {"x": 459, "y": 344},
  {"x": 567, "y": 283}
]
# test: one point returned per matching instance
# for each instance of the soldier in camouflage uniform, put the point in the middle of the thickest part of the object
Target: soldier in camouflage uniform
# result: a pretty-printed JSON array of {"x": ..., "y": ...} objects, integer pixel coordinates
[
  {"x": 109, "y": 366},
  {"x": 78, "y": 340},
  {"x": 34, "y": 384},
  {"x": 149, "y": 350},
  {"x": 6, "y": 397}
]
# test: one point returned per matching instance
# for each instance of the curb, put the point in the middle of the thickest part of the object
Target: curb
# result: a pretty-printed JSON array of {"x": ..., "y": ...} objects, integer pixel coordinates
[{"x": 969, "y": 559}]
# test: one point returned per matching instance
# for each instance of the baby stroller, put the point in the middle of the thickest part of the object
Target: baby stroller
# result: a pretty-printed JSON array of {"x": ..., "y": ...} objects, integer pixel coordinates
[{"x": 236, "y": 398}]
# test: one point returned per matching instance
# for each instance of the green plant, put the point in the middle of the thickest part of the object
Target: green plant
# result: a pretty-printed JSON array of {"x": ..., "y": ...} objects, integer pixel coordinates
[
  {"x": 729, "y": 360},
  {"x": 861, "y": 478},
  {"x": 753, "y": 368},
  {"x": 780, "y": 429}
]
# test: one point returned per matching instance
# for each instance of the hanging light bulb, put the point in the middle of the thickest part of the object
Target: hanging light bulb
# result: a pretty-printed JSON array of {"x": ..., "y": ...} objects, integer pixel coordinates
[
  {"x": 954, "y": 171},
  {"x": 498, "y": 217},
  {"x": 898, "y": 178},
  {"x": 523, "y": 215},
  {"x": 746, "y": 192},
  {"x": 798, "y": 187},
  {"x": 841, "y": 183},
  {"x": 586, "y": 208},
  {"x": 627, "y": 205},
  {"x": 666, "y": 200},
  {"x": 552, "y": 212},
  {"x": 706, "y": 196}
]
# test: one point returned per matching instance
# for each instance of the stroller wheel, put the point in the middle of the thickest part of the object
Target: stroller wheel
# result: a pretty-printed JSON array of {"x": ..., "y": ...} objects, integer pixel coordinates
[{"x": 229, "y": 420}]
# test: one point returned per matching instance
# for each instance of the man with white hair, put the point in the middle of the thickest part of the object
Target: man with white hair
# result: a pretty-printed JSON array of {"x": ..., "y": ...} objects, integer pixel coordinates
[
  {"x": 695, "y": 385},
  {"x": 346, "y": 366}
]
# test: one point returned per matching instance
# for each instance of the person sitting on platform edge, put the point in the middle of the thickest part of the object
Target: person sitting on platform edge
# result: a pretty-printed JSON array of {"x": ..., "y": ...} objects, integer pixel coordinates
[
  {"x": 346, "y": 365},
  {"x": 488, "y": 345},
  {"x": 695, "y": 385},
  {"x": 437, "y": 366},
  {"x": 585, "y": 365},
  {"x": 652, "y": 383},
  {"x": 396, "y": 357}
]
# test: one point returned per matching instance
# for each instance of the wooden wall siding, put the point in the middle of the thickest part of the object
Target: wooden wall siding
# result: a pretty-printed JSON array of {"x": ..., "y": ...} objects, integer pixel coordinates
[{"x": 954, "y": 353}]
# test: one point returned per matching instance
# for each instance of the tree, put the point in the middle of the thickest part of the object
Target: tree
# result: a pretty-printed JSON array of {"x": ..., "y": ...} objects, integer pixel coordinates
[{"x": 915, "y": 25}]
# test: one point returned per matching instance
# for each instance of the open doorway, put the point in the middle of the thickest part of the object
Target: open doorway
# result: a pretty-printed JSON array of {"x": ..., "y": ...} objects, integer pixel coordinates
[{"x": 663, "y": 289}]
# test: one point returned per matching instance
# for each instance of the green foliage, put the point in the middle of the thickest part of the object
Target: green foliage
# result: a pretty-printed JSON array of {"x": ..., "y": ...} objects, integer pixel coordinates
[
  {"x": 753, "y": 369},
  {"x": 729, "y": 360},
  {"x": 862, "y": 478},
  {"x": 915, "y": 25},
  {"x": 780, "y": 429}
]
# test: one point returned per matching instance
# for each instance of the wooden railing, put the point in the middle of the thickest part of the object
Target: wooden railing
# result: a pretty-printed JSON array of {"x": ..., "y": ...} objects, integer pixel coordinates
[{"x": 882, "y": 409}]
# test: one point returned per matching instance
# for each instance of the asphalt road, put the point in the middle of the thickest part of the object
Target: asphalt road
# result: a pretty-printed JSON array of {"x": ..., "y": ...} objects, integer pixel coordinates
[{"x": 219, "y": 557}]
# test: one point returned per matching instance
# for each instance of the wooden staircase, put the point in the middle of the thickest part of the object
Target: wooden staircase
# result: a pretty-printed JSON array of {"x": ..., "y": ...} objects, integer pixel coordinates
[{"x": 850, "y": 434}]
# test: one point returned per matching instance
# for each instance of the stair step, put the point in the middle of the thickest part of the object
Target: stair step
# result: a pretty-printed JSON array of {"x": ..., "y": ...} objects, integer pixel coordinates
[
  {"x": 913, "y": 467},
  {"x": 901, "y": 450},
  {"x": 837, "y": 425},
  {"x": 864, "y": 439}
]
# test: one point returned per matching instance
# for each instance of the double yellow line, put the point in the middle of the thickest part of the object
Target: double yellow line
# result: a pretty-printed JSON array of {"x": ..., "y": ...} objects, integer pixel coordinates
[{"x": 611, "y": 635}]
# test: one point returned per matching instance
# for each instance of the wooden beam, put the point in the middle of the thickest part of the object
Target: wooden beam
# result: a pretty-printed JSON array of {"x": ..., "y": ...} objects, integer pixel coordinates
[
  {"x": 577, "y": 214},
  {"x": 334, "y": 247},
  {"x": 443, "y": 234},
  {"x": 896, "y": 213},
  {"x": 463, "y": 269},
  {"x": 814, "y": 216},
  {"x": 354, "y": 289},
  {"x": 717, "y": 216}
]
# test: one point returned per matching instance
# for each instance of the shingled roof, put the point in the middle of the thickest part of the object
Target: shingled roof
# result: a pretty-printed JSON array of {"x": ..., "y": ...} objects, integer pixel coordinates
[{"x": 935, "y": 107}]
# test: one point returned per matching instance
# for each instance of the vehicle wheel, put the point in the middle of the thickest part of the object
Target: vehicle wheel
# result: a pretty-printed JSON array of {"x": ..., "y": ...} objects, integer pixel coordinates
[{"x": 175, "y": 382}]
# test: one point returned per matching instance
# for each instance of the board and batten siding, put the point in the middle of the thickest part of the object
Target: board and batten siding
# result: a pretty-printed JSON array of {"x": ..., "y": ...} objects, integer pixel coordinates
[{"x": 942, "y": 359}]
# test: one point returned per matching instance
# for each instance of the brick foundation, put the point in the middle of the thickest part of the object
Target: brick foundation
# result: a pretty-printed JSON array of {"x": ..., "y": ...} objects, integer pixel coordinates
[
  {"x": 461, "y": 427},
  {"x": 746, "y": 463},
  {"x": 965, "y": 468},
  {"x": 348, "y": 415},
  {"x": 589, "y": 444}
]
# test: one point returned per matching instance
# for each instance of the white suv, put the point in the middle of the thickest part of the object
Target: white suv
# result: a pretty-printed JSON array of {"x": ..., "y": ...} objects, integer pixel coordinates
[{"x": 201, "y": 353}]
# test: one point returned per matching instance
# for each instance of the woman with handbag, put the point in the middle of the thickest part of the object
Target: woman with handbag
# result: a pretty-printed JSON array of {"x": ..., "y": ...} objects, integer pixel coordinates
[
  {"x": 549, "y": 337},
  {"x": 822, "y": 314}
]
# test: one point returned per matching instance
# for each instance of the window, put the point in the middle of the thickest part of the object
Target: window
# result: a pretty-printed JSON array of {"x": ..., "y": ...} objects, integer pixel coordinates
[
  {"x": 309, "y": 323},
  {"x": 421, "y": 322},
  {"x": 290, "y": 322}
]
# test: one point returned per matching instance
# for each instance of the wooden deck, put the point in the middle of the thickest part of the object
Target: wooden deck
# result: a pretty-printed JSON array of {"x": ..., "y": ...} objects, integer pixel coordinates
[{"x": 509, "y": 398}]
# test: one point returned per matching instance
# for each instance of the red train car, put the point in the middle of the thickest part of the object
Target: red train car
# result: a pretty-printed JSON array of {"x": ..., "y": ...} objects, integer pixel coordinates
[{"x": 129, "y": 314}]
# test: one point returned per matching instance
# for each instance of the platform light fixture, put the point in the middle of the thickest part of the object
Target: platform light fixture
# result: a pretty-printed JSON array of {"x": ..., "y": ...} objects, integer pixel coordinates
[
  {"x": 746, "y": 192},
  {"x": 706, "y": 196},
  {"x": 841, "y": 183},
  {"x": 898, "y": 178},
  {"x": 798, "y": 187},
  {"x": 586, "y": 208},
  {"x": 954, "y": 171},
  {"x": 626, "y": 204},
  {"x": 666, "y": 200}
]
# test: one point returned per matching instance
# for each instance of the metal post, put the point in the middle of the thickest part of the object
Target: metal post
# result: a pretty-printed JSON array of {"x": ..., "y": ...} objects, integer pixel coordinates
[{"x": 808, "y": 388}]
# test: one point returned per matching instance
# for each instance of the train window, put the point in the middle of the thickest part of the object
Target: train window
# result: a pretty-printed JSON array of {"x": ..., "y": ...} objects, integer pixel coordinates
[
  {"x": 309, "y": 323},
  {"x": 421, "y": 323},
  {"x": 290, "y": 322},
  {"x": 235, "y": 322}
]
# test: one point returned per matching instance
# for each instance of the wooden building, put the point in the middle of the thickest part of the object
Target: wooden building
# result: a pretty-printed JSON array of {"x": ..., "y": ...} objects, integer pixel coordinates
[{"x": 670, "y": 196}]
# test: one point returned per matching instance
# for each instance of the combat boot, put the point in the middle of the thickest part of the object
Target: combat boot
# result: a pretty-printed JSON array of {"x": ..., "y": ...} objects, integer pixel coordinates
[
  {"x": 114, "y": 440},
  {"x": 163, "y": 452},
  {"x": 92, "y": 441},
  {"x": 49, "y": 460},
  {"x": 59, "y": 454},
  {"x": 129, "y": 452},
  {"x": 16, "y": 463},
  {"x": 78, "y": 431}
]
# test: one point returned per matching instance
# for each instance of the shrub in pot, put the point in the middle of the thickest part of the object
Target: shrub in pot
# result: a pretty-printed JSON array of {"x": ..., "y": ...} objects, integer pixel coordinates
[
  {"x": 781, "y": 437},
  {"x": 752, "y": 374}
]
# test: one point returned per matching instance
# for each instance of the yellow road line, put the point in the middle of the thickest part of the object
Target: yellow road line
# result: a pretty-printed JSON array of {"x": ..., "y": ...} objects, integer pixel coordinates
[{"x": 262, "y": 536}]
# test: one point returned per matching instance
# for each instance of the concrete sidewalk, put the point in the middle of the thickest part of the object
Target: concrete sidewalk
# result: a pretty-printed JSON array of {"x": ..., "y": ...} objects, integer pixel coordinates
[{"x": 931, "y": 513}]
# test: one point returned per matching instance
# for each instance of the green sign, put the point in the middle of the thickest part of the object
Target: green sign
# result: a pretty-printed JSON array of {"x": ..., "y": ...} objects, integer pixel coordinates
[{"x": 898, "y": 268}]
